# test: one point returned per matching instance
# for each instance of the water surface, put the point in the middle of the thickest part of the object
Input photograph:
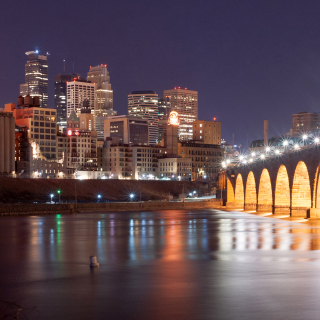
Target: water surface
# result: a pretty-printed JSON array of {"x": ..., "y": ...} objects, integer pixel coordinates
[{"x": 180, "y": 264}]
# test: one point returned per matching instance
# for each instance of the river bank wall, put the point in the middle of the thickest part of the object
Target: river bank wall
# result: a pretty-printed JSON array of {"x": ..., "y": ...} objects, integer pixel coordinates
[{"x": 44, "y": 209}]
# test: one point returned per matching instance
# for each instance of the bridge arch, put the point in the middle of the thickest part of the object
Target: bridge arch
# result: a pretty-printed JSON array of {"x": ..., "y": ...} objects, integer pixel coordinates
[
  {"x": 230, "y": 191},
  {"x": 239, "y": 194},
  {"x": 301, "y": 191},
  {"x": 265, "y": 201},
  {"x": 250, "y": 202},
  {"x": 282, "y": 192}
]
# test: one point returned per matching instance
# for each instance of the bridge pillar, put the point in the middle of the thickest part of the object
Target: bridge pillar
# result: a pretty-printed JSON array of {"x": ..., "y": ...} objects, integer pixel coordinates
[
  {"x": 234, "y": 205},
  {"x": 282, "y": 210},
  {"x": 299, "y": 212},
  {"x": 313, "y": 213},
  {"x": 264, "y": 208}
]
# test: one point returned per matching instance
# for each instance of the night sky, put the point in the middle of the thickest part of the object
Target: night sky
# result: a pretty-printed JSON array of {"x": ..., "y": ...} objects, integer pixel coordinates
[{"x": 249, "y": 60}]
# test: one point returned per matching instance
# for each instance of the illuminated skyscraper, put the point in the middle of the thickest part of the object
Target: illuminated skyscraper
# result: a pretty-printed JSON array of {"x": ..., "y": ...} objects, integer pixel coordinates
[
  {"x": 185, "y": 102},
  {"x": 103, "y": 105},
  {"x": 77, "y": 92},
  {"x": 144, "y": 104},
  {"x": 36, "y": 77}
]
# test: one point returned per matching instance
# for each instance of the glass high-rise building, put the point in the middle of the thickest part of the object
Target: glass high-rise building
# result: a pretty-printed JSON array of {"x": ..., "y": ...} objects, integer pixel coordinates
[
  {"x": 185, "y": 102},
  {"x": 144, "y": 104},
  {"x": 36, "y": 77},
  {"x": 60, "y": 96}
]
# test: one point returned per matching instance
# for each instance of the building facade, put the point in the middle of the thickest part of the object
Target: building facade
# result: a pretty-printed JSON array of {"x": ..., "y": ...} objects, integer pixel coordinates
[
  {"x": 41, "y": 122},
  {"x": 60, "y": 96},
  {"x": 7, "y": 143},
  {"x": 82, "y": 145},
  {"x": 79, "y": 91},
  {"x": 163, "y": 114},
  {"x": 207, "y": 132},
  {"x": 206, "y": 158},
  {"x": 36, "y": 77},
  {"x": 99, "y": 75},
  {"x": 144, "y": 104},
  {"x": 304, "y": 122},
  {"x": 175, "y": 168},
  {"x": 127, "y": 129},
  {"x": 185, "y": 102}
]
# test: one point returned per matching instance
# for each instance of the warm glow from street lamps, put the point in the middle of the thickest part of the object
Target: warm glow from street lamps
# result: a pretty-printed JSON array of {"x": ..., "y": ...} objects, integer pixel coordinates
[
  {"x": 296, "y": 146},
  {"x": 316, "y": 140},
  {"x": 304, "y": 137},
  {"x": 285, "y": 142},
  {"x": 262, "y": 156},
  {"x": 268, "y": 149}
]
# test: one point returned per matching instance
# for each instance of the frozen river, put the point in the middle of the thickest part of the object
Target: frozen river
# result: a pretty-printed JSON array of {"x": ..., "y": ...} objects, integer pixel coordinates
[{"x": 180, "y": 264}]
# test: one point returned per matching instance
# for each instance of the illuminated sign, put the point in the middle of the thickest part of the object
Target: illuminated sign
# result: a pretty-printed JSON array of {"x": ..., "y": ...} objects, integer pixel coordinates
[{"x": 173, "y": 118}]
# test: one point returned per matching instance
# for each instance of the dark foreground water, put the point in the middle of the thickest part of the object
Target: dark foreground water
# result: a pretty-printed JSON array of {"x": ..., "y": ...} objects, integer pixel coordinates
[{"x": 200, "y": 264}]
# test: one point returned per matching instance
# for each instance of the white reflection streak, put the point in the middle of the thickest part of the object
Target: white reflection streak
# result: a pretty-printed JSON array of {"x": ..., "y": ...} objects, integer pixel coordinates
[
  {"x": 266, "y": 236},
  {"x": 225, "y": 235},
  {"x": 253, "y": 236},
  {"x": 132, "y": 252},
  {"x": 240, "y": 235},
  {"x": 284, "y": 239}
]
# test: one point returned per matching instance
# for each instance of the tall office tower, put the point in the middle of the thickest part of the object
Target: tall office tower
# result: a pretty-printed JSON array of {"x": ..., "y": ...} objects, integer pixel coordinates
[
  {"x": 185, "y": 102},
  {"x": 36, "y": 77},
  {"x": 104, "y": 95},
  {"x": 163, "y": 114},
  {"x": 60, "y": 96},
  {"x": 77, "y": 92},
  {"x": 103, "y": 106},
  {"x": 144, "y": 104}
]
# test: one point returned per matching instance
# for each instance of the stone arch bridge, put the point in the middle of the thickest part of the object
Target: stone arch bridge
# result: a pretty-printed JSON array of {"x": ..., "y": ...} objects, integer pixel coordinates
[{"x": 286, "y": 184}]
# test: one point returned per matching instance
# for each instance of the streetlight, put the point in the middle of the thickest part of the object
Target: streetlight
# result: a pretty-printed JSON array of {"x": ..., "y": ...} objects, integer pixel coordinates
[
  {"x": 99, "y": 197},
  {"x": 51, "y": 196},
  {"x": 268, "y": 149},
  {"x": 131, "y": 196},
  {"x": 317, "y": 140},
  {"x": 58, "y": 192}
]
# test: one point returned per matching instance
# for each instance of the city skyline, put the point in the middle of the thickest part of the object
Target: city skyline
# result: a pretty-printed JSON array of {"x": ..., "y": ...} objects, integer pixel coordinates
[{"x": 249, "y": 61}]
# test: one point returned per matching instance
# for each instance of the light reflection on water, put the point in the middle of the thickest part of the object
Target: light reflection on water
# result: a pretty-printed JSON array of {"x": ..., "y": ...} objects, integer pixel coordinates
[
  {"x": 171, "y": 257},
  {"x": 150, "y": 236}
]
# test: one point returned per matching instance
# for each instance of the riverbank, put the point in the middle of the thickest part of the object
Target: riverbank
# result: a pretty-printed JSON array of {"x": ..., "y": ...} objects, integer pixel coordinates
[
  {"x": 38, "y": 190},
  {"x": 45, "y": 209}
]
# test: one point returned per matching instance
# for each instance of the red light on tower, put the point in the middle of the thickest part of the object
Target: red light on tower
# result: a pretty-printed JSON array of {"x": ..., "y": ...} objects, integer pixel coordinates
[
  {"x": 69, "y": 132},
  {"x": 214, "y": 119}
]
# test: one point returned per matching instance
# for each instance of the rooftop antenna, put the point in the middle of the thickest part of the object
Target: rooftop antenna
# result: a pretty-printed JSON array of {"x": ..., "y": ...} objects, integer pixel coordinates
[{"x": 64, "y": 66}]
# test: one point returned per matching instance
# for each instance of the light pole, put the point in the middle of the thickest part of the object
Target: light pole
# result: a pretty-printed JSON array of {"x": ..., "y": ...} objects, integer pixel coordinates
[
  {"x": 59, "y": 194},
  {"x": 99, "y": 197},
  {"x": 131, "y": 196},
  {"x": 51, "y": 196}
]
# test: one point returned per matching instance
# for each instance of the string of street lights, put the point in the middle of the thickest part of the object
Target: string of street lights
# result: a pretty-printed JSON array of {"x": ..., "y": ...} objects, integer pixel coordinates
[{"x": 288, "y": 146}]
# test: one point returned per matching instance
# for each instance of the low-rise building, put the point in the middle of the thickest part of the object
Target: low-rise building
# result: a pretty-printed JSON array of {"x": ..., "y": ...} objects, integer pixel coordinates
[
  {"x": 206, "y": 158},
  {"x": 175, "y": 168},
  {"x": 207, "y": 132}
]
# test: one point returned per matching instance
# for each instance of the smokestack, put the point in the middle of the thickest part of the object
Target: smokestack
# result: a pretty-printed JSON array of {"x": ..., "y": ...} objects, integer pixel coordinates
[{"x": 266, "y": 132}]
